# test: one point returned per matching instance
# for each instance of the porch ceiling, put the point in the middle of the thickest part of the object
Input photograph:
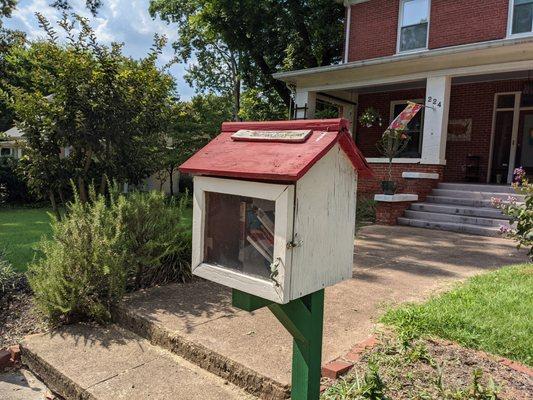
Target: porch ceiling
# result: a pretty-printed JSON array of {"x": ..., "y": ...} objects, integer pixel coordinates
[{"x": 415, "y": 66}]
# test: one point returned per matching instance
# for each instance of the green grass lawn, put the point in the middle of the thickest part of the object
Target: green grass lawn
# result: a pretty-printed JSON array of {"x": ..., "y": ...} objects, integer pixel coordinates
[
  {"x": 20, "y": 230},
  {"x": 491, "y": 312}
]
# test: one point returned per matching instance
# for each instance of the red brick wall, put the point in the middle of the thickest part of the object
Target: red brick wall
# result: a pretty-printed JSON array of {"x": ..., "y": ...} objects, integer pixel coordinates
[
  {"x": 467, "y": 21},
  {"x": 474, "y": 101},
  {"x": 368, "y": 187},
  {"x": 366, "y": 138},
  {"x": 388, "y": 213},
  {"x": 374, "y": 25},
  {"x": 373, "y": 29}
]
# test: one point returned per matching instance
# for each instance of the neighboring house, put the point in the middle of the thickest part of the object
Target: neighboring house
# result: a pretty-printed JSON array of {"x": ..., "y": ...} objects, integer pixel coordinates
[
  {"x": 471, "y": 61},
  {"x": 10, "y": 146}
]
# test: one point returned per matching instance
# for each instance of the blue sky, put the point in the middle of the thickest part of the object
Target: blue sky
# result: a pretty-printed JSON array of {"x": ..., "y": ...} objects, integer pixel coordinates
[{"x": 126, "y": 21}]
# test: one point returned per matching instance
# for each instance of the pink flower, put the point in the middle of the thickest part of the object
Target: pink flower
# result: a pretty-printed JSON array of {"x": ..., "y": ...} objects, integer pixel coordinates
[
  {"x": 496, "y": 201},
  {"x": 504, "y": 230},
  {"x": 519, "y": 174}
]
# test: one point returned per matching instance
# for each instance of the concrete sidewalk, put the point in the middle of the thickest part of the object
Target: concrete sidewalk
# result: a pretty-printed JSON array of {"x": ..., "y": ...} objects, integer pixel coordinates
[{"x": 391, "y": 265}]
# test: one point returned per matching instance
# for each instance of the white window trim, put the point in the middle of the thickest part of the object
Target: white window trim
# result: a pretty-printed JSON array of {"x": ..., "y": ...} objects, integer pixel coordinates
[
  {"x": 391, "y": 116},
  {"x": 399, "y": 33},
  {"x": 510, "y": 16}
]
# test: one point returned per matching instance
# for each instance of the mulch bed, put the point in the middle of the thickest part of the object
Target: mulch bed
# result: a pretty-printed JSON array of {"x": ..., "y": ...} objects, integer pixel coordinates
[
  {"x": 18, "y": 317},
  {"x": 436, "y": 369}
]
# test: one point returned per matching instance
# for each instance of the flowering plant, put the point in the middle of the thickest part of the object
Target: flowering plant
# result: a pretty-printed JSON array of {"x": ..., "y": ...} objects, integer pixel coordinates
[
  {"x": 391, "y": 145},
  {"x": 370, "y": 117},
  {"x": 521, "y": 214}
]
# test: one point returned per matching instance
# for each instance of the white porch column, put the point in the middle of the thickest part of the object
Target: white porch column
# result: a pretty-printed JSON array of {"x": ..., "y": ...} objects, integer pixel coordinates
[
  {"x": 307, "y": 99},
  {"x": 438, "y": 91}
]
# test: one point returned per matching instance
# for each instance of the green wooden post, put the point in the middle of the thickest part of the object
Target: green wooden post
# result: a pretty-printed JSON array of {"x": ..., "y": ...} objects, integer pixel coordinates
[{"x": 304, "y": 319}]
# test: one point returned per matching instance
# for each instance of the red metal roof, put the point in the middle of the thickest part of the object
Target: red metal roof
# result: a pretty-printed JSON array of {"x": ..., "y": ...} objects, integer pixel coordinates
[{"x": 274, "y": 161}]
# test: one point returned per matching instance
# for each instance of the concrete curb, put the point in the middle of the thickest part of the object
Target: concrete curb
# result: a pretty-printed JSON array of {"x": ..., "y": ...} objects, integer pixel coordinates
[
  {"x": 56, "y": 381},
  {"x": 243, "y": 377}
]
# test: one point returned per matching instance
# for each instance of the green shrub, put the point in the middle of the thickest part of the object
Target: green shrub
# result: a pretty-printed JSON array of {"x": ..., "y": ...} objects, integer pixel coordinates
[
  {"x": 158, "y": 245},
  {"x": 366, "y": 210},
  {"x": 81, "y": 273},
  {"x": 13, "y": 189},
  {"x": 521, "y": 214},
  {"x": 7, "y": 273},
  {"x": 105, "y": 246}
]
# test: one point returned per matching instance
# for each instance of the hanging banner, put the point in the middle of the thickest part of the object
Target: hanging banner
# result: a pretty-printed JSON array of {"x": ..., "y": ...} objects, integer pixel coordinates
[{"x": 403, "y": 119}]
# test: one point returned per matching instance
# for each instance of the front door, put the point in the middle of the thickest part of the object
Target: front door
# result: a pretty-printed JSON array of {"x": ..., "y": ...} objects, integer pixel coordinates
[
  {"x": 502, "y": 146},
  {"x": 524, "y": 150}
]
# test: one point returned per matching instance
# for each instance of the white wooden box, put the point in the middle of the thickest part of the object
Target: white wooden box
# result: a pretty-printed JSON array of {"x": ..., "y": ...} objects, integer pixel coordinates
[{"x": 276, "y": 220}]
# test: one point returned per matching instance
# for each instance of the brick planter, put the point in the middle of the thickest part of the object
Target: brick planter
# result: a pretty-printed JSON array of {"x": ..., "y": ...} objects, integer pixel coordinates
[{"x": 389, "y": 208}]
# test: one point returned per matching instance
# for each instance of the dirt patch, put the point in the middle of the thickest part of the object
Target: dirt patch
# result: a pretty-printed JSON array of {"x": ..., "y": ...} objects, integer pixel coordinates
[
  {"x": 430, "y": 369},
  {"x": 18, "y": 317}
]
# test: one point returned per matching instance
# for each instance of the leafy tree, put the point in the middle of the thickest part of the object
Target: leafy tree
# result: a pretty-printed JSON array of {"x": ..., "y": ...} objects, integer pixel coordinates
[
  {"x": 195, "y": 123},
  {"x": 263, "y": 36},
  {"x": 260, "y": 106},
  {"x": 109, "y": 110},
  {"x": 8, "y": 39}
]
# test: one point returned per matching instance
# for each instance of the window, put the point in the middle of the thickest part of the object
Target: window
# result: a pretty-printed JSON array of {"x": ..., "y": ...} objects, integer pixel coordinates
[
  {"x": 414, "y": 129},
  {"x": 522, "y": 16},
  {"x": 5, "y": 152},
  {"x": 414, "y": 24}
]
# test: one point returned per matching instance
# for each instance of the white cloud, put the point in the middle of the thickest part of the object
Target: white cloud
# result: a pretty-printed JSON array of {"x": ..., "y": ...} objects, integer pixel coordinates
[{"x": 117, "y": 21}]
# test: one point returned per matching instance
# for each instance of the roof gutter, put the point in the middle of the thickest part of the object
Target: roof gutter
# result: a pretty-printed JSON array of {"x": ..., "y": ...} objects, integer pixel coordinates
[{"x": 286, "y": 76}]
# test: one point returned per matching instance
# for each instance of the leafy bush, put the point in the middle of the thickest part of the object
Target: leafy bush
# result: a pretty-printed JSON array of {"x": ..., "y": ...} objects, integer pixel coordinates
[
  {"x": 158, "y": 244},
  {"x": 13, "y": 189},
  {"x": 81, "y": 273},
  {"x": 7, "y": 273},
  {"x": 366, "y": 210},
  {"x": 103, "y": 247},
  {"x": 520, "y": 213}
]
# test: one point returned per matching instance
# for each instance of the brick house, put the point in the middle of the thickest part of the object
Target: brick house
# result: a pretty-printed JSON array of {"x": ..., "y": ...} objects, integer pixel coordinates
[{"x": 471, "y": 61}]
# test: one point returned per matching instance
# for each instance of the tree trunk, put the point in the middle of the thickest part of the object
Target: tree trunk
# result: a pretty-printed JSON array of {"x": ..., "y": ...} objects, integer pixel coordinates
[
  {"x": 62, "y": 197},
  {"x": 82, "y": 190},
  {"x": 171, "y": 181},
  {"x": 237, "y": 99},
  {"x": 52, "y": 197},
  {"x": 103, "y": 185}
]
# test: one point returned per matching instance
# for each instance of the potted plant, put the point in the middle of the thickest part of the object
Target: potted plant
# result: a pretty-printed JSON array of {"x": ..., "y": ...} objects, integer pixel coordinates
[
  {"x": 370, "y": 117},
  {"x": 391, "y": 145}
]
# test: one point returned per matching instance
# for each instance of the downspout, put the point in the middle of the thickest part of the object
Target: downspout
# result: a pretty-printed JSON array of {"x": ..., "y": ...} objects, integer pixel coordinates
[{"x": 347, "y": 31}]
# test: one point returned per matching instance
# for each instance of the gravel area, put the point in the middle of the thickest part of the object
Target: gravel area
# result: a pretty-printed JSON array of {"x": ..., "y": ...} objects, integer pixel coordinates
[{"x": 18, "y": 317}]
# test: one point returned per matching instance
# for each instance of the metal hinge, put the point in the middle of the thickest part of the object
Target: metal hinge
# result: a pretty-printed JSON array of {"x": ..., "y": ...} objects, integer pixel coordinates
[{"x": 295, "y": 243}]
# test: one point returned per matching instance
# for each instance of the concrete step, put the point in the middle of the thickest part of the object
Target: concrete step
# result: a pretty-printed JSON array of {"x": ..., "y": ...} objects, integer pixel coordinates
[
  {"x": 459, "y": 201},
  {"x": 461, "y": 219},
  {"x": 477, "y": 187},
  {"x": 450, "y": 226},
  {"x": 196, "y": 321},
  {"x": 94, "y": 363},
  {"x": 483, "y": 212},
  {"x": 475, "y": 195}
]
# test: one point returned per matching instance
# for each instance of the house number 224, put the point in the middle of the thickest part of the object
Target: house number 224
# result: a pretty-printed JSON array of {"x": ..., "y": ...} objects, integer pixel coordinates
[{"x": 434, "y": 101}]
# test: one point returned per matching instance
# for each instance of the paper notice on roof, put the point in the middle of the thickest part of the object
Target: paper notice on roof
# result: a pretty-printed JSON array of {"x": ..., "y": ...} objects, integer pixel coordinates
[{"x": 271, "y": 136}]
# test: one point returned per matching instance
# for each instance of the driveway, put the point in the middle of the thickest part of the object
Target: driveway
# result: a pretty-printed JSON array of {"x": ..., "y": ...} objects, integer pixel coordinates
[{"x": 391, "y": 265}]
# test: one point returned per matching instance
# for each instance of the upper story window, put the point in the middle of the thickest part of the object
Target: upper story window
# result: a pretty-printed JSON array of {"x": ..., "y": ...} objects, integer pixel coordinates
[
  {"x": 414, "y": 25},
  {"x": 522, "y": 17}
]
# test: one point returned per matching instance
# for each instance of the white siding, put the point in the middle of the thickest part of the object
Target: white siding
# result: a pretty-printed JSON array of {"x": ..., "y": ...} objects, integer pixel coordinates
[{"x": 325, "y": 225}]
